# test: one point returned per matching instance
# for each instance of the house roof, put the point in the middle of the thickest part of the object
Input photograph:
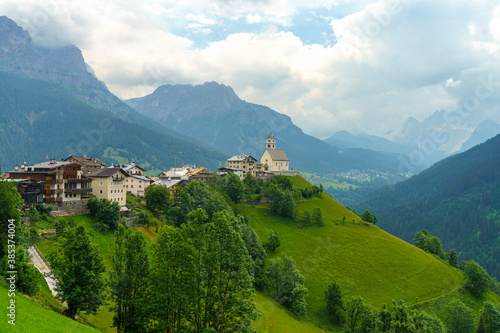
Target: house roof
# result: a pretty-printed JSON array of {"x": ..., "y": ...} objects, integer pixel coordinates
[
  {"x": 277, "y": 154},
  {"x": 87, "y": 161},
  {"x": 44, "y": 167},
  {"x": 197, "y": 171},
  {"x": 167, "y": 182},
  {"x": 147, "y": 179},
  {"x": 230, "y": 169},
  {"x": 51, "y": 164},
  {"x": 107, "y": 172},
  {"x": 131, "y": 166},
  {"x": 239, "y": 158}
]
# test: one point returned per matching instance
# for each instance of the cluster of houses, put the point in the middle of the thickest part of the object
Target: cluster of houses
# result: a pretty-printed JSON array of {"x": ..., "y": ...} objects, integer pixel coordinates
[{"x": 69, "y": 183}]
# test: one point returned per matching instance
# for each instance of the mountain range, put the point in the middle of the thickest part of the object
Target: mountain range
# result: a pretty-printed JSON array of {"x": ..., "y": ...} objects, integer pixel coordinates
[
  {"x": 436, "y": 137},
  {"x": 210, "y": 113},
  {"x": 52, "y": 105},
  {"x": 214, "y": 114},
  {"x": 457, "y": 199}
]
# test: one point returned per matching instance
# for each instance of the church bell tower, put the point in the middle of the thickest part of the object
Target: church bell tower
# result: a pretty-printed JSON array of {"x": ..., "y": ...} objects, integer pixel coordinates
[{"x": 271, "y": 142}]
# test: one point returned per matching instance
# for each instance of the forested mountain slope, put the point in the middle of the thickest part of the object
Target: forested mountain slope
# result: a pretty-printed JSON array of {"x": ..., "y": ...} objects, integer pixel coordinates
[
  {"x": 457, "y": 199},
  {"x": 41, "y": 120}
]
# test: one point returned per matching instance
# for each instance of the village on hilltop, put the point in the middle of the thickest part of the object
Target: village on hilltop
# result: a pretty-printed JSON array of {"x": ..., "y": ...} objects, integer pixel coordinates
[{"x": 68, "y": 184}]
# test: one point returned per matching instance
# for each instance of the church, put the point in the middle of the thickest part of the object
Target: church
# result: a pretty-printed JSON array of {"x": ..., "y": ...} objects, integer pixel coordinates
[{"x": 274, "y": 159}]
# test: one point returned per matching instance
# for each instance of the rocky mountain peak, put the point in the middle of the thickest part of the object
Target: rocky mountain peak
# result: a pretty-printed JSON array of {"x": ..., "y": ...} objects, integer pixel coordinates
[{"x": 13, "y": 39}]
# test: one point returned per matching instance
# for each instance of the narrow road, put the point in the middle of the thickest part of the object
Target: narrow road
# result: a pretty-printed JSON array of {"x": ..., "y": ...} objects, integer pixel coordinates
[{"x": 38, "y": 262}]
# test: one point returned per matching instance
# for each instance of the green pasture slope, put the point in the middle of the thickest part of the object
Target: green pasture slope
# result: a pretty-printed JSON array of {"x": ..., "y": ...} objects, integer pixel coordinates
[
  {"x": 362, "y": 258},
  {"x": 32, "y": 317},
  {"x": 104, "y": 242},
  {"x": 274, "y": 318}
]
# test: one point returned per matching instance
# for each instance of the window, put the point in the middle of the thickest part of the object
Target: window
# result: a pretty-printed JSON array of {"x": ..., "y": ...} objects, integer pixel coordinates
[
  {"x": 126, "y": 186},
  {"x": 140, "y": 186},
  {"x": 100, "y": 191},
  {"x": 131, "y": 186},
  {"x": 65, "y": 195},
  {"x": 100, "y": 183}
]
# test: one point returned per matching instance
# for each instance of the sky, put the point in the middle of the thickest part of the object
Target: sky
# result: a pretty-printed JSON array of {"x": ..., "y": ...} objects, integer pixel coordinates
[{"x": 361, "y": 66}]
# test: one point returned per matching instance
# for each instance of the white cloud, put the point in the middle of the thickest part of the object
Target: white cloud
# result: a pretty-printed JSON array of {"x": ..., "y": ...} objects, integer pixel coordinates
[
  {"x": 452, "y": 83},
  {"x": 391, "y": 60}
]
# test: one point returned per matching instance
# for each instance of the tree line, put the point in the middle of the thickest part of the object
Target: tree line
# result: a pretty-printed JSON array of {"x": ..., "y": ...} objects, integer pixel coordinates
[{"x": 358, "y": 316}]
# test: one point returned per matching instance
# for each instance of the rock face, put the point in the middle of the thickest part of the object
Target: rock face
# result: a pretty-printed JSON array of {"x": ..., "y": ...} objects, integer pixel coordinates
[{"x": 19, "y": 55}]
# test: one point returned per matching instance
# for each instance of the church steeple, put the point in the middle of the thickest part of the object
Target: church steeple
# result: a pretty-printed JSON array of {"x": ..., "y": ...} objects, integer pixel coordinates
[{"x": 271, "y": 142}]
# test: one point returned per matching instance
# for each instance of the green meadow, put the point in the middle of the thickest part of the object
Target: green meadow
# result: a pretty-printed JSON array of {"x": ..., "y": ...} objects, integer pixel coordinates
[
  {"x": 276, "y": 319},
  {"x": 32, "y": 317},
  {"x": 363, "y": 259}
]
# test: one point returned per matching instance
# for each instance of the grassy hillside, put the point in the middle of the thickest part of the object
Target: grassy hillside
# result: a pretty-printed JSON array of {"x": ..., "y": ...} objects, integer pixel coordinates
[
  {"x": 363, "y": 259},
  {"x": 104, "y": 242},
  {"x": 32, "y": 317},
  {"x": 276, "y": 319},
  {"x": 456, "y": 200}
]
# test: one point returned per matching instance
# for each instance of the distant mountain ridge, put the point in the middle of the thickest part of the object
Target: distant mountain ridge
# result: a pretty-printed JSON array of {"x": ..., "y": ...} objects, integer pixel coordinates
[
  {"x": 457, "y": 199},
  {"x": 212, "y": 113},
  {"x": 440, "y": 135},
  {"x": 344, "y": 139}
]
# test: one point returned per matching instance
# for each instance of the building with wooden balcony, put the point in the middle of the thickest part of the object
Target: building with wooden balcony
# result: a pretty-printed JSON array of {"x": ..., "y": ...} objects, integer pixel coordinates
[
  {"x": 136, "y": 183},
  {"x": 57, "y": 177},
  {"x": 30, "y": 190},
  {"x": 109, "y": 183},
  {"x": 86, "y": 162}
]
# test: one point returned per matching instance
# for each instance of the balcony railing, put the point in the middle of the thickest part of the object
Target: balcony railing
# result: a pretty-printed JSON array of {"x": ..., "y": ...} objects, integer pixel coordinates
[
  {"x": 53, "y": 181},
  {"x": 54, "y": 191},
  {"x": 53, "y": 200},
  {"x": 118, "y": 179},
  {"x": 78, "y": 190},
  {"x": 78, "y": 180}
]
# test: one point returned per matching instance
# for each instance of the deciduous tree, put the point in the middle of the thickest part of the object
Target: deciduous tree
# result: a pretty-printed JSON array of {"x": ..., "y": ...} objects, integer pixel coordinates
[
  {"x": 286, "y": 284},
  {"x": 79, "y": 270},
  {"x": 274, "y": 241},
  {"x": 157, "y": 198},
  {"x": 491, "y": 317},
  {"x": 459, "y": 318},
  {"x": 334, "y": 303},
  {"x": 10, "y": 214},
  {"x": 355, "y": 308},
  {"x": 453, "y": 258},
  {"x": 477, "y": 279},
  {"x": 234, "y": 187},
  {"x": 128, "y": 279}
]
